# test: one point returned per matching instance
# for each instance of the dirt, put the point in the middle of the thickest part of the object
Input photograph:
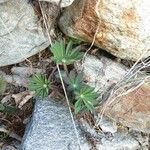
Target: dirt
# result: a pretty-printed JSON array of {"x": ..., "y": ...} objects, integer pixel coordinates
[{"x": 15, "y": 122}]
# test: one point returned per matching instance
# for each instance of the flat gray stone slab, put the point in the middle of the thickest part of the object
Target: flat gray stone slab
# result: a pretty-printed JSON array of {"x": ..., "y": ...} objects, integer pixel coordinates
[
  {"x": 21, "y": 34},
  {"x": 51, "y": 128}
]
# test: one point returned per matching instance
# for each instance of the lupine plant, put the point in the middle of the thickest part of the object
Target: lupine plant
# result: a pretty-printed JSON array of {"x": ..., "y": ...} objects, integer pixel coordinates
[
  {"x": 74, "y": 81},
  {"x": 84, "y": 95},
  {"x": 40, "y": 85},
  {"x": 67, "y": 54},
  {"x": 85, "y": 98}
]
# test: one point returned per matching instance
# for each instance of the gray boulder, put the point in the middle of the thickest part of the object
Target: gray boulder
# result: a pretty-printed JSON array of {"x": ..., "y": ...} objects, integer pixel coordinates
[
  {"x": 51, "y": 128},
  {"x": 21, "y": 34}
]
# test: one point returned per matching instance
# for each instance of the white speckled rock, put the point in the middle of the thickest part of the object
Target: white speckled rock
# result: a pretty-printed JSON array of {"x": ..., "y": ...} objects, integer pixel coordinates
[
  {"x": 101, "y": 73},
  {"x": 107, "y": 125},
  {"x": 123, "y": 31},
  {"x": 2, "y": 1},
  {"x": 64, "y": 3},
  {"x": 51, "y": 128},
  {"x": 119, "y": 141},
  {"x": 112, "y": 139},
  {"x": 21, "y": 35}
]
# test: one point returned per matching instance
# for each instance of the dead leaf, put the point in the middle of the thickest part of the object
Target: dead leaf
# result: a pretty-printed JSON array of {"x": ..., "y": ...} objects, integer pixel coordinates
[
  {"x": 6, "y": 99},
  {"x": 22, "y": 98},
  {"x": 25, "y": 100}
]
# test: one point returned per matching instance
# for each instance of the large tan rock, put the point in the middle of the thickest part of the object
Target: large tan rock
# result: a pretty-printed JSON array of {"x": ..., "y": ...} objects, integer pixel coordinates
[
  {"x": 125, "y": 101},
  {"x": 120, "y": 27},
  {"x": 132, "y": 109}
]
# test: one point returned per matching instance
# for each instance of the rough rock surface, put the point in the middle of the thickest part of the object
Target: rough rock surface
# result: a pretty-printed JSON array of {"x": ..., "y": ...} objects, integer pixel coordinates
[
  {"x": 51, "y": 128},
  {"x": 111, "y": 136},
  {"x": 2, "y": 1},
  {"x": 64, "y": 3},
  {"x": 120, "y": 27},
  {"x": 21, "y": 35},
  {"x": 132, "y": 108},
  {"x": 101, "y": 73}
]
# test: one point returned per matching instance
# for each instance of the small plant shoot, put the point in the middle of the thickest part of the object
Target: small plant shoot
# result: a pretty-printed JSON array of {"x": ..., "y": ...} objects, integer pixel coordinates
[
  {"x": 40, "y": 85},
  {"x": 74, "y": 81},
  {"x": 85, "y": 99},
  {"x": 65, "y": 54}
]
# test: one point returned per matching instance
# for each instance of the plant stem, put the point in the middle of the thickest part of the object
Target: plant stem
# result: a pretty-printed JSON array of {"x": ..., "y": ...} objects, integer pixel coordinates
[{"x": 65, "y": 68}]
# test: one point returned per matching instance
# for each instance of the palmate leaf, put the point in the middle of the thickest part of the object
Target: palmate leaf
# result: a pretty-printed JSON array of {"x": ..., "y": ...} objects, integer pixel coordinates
[
  {"x": 74, "y": 81},
  {"x": 88, "y": 97},
  {"x": 58, "y": 49},
  {"x": 74, "y": 55},
  {"x": 40, "y": 85},
  {"x": 65, "y": 54},
  {"x": 69, "y": 46},
  {"x": 89, "y": 105},
  {"x": 78, "y": 106}
]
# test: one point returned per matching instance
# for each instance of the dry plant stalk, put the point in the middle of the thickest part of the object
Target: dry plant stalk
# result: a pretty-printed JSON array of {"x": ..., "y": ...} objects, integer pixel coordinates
[{"x": 135, "y": 78}]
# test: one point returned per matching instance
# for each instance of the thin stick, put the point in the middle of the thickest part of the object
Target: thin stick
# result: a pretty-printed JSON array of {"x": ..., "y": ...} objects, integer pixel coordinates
[
  {"x": 69, "y": 105},
  {"x": 66, "y": 96}
]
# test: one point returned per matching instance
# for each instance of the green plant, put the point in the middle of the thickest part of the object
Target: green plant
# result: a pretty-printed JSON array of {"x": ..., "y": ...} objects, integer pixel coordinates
[
  {"x": 75, "y": 41},
  {"x": 65, "y": 54},
  {"x": 7, "y": 109},
  {"x": 74, "y": 81},
  {"x": 85, "y": 99},
  {"x": 2, "y": 85},
  {"x": 40, "y": 85}
]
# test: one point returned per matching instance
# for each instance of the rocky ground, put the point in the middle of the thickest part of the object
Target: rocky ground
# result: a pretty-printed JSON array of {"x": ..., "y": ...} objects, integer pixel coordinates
[{"x": 115, "y": 41}]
